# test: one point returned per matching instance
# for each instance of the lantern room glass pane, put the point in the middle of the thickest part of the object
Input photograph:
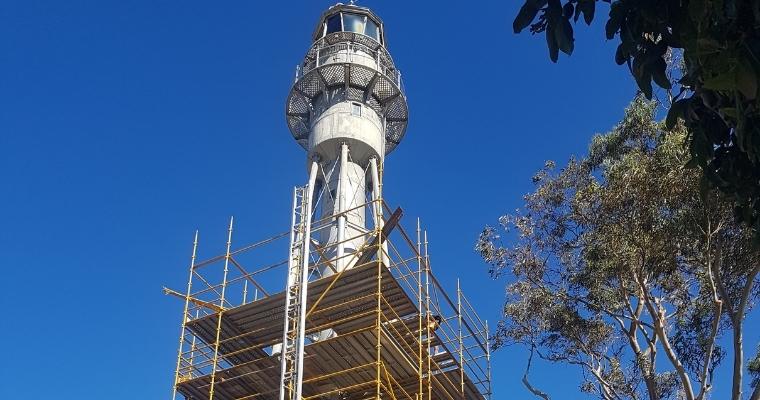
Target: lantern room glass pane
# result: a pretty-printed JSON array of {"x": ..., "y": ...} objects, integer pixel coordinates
[
  {"x": 333, "y": 24},
  {"x": 353, "y": 23},
  {"x": 372, "y": 30}
]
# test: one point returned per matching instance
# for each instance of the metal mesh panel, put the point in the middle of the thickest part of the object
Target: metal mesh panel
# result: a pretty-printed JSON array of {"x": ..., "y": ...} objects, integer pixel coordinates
[
  {"x": 385, "y": 59},
  {"x": 383, "y": 89},
  {"x": 367, "y": 41},
  {"x": 397, "y": 109},
  {"x": 355, "y": 94},
  {"x": 310, "y": 84},
  {"x": 373, "y": 103},
  {"x": 298, "y": 127},
  {"x": 339, "y": 37},
  {"x": 394, "y": 132},
  {"x": 312, "y": 53},
  {"x": 297, "y": 104},
  {"x": 360, "y": 76},
  {"x": 367, "y": 44},
  {"x": 333, "y": 74}
]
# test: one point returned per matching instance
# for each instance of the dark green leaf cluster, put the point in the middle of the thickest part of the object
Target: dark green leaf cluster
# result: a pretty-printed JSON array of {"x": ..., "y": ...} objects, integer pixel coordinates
[{"x": 718, "y": 90}]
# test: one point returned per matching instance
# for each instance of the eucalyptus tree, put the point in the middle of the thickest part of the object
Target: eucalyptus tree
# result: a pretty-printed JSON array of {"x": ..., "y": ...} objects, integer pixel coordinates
[{"x": 624, "y": 264}]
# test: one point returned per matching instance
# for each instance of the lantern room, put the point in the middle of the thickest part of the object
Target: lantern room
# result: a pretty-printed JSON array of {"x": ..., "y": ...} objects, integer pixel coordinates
[{"x": 350, "y": 18}]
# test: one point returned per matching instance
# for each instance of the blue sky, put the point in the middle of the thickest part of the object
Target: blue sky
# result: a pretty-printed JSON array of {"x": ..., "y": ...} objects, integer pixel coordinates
[{"x": 125, "y": 126}]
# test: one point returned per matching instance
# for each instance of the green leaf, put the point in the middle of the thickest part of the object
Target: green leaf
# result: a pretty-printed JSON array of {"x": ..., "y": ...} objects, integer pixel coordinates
[
  {"x": 645, "y": 84},
  {"x": 744, "y": 134},
  {"x": 706, "y": 46},
  {"x": 677, "y": 110},
  {"x": 588, "y": 7},
  {"x": 692, "y": 163},
  {"x": 697, "y": 10},
  {"x": 551, "y": 43},
  {"x": 700, "y": 147},
  {"x": 564, "y": 35},
  {"x": 553, "y": 11},
  {"x": 620, "y": 56},
  {"x": 616, "y": 18},
  {"x": 704, "y": 188},
  {"x": 553, "y": 16},
  {"x": 527, "y": 14},
  {"x": 642, "y": 74},
  {"x": 746, "y": 81},
  {"x": 753, "y": 149},
  {"x": 658, "y": 69},
  {"x": 568, "y": 10},
  {"x": 729, "y": 112},
  {"x": 723, "y": 81}
]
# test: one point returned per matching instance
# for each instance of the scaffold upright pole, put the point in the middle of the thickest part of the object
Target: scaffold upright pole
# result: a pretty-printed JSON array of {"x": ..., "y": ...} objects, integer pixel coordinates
[
  {"x": 421, "y": 307},
  {"x": 185, "y": 316},
  {"x": 378, "y": 359},
  {"x": 488, "y": 360},
  {"x": 428, "y": 316},
  {"x": 461, "y": 341},
  {"x": 220, "y": 314}
]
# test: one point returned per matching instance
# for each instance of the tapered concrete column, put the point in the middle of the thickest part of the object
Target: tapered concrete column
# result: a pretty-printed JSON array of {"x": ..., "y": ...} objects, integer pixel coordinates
[
  {"x": 343, "y": 188},
  {"x": 377, "y": 207}
]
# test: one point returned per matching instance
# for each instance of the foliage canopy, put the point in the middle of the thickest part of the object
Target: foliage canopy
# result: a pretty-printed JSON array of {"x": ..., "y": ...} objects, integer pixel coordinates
[
  {"x": 718, "y": 90},
  {"x": 619, "y": 263}
]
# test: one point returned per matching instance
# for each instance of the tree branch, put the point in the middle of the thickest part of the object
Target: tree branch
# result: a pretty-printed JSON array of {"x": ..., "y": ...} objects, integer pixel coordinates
[
  {"x": 704, "y": 379},
  {"x": 556, "y": 291},
  {"x": 736, "y": 391},
  {"x": 531, "y": 388},
  {"x": 609, "y": 389},
  {"x": 648, "y": 373},
  {"x": 658, "y": 315}
]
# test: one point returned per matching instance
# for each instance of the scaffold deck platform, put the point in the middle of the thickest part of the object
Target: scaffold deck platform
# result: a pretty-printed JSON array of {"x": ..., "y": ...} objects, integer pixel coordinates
[{"x": 368, "y": 328}]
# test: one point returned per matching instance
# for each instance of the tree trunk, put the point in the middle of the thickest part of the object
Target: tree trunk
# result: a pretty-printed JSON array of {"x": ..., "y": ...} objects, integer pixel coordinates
[
  {"x": 736, "y": 391},
  {"x": 738, "y": 322},
  {"x": 648, "y": 373},
  {"x": 658, "y": 319}
]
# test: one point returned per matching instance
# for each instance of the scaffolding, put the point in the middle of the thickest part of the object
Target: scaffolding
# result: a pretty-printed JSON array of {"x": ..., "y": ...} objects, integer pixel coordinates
[{"x": 395, "y": 333}]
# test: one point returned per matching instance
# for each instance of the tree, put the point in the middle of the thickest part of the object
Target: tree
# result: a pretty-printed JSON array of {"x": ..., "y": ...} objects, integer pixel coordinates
[
  {"x": 623, "y": 264},
  {"x": 718, "y": 91}
]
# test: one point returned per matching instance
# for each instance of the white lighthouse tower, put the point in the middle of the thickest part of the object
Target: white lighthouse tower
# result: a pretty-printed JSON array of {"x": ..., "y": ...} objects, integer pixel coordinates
[{"x": 347, "y": 109}]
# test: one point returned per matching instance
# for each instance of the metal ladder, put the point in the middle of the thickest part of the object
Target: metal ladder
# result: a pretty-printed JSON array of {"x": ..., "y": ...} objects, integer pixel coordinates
[{"x": 291, "y": 375}]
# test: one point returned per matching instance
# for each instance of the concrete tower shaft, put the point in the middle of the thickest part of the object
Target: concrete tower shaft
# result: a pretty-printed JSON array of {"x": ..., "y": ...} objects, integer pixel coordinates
[{"x": 348, "y": 110}]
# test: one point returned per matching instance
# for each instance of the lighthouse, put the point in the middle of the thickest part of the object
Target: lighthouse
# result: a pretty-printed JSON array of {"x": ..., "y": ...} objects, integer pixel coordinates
[
  {"x": 347, "y": 109},
  {"x": 361, "y": 314}
]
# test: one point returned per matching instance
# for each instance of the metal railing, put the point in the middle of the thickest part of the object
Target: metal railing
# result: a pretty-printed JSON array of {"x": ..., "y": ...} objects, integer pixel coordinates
[{"x": 323, "y": 53}]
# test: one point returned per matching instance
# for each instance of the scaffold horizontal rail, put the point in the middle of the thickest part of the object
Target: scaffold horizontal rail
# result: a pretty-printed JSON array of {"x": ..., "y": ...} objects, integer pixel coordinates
[{"x": 382, "y": 327}]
